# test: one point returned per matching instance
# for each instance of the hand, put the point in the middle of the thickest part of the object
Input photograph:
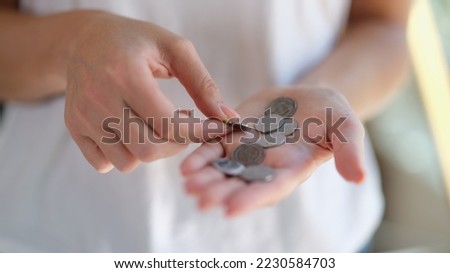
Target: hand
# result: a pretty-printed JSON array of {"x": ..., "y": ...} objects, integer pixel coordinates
[
  {"x": 114, "y": 65},
  {"x": 293, "y": 163}
]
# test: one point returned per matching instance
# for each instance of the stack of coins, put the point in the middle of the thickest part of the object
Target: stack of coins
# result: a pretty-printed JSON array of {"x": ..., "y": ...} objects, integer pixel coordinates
[{"x": 273, "y": 128}]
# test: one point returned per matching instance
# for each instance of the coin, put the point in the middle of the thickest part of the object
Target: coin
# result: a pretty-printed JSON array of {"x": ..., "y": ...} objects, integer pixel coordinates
[
  {"x": 257, "y": 173},
  {"x": 272, "y": 139},
  {"x": 282, "y": 106},
  {"x": 289, "y": 126},
  {"x": 270, "y": 123},
  {"x": 229, "y": 167},
  {"x": 250, "y": 136},
  {"x": 249, "y": 154}
]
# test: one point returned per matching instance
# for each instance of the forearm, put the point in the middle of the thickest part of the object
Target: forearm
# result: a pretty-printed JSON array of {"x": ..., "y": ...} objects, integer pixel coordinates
[
  {"x": 367, "y": 66},
  {"x": 34, "y": 52}
]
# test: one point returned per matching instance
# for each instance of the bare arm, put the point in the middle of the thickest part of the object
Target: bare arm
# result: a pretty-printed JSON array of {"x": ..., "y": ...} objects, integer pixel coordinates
[
  {"x": 371, "y": 59},
  {"x": 34, "y": 51}
]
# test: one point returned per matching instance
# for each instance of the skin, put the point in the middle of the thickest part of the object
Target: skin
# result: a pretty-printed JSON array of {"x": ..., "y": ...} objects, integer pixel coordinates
[
  {"x": 293, "y": 163},
  {"x": 356, "y": 80},
  {"x": 103, "y": 68},
  {"x": 116, "y": 63}
]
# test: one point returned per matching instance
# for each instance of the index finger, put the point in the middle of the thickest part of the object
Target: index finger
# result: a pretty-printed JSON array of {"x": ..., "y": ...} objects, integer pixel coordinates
[
  {"x": 185, "y": 64},
  {"x": 201, "y": 157}
]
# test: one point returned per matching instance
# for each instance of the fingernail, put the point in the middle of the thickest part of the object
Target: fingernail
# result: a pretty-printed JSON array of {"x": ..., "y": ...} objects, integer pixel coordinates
[
  {"x": 204, "y": 205},
  {"x": 189, "y": 189},
  {"x": 359, "y": 177},
  {"x": 186, "y": 112},
  {"x": 229, "y": 112}
]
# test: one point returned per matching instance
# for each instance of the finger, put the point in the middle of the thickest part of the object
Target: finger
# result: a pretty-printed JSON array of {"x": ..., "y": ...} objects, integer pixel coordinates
[
  {"x": 260, "y": 194},
  {"x": 93, "y": 154},
  {"x": 219, "y": 191},
  {"x": 185, "y": 128},
  {"x": 201, "y": 157},
  {"x": 185, "y": 64},
  {"x": 130, "y": 130},
  {"x": 152, "y": 147},
  {"x": 349, "y": 150},
  {"x": 113, "y": 148},
  {"x": 211, "y": 130},
  {"x": 154, "y": 109},
  {"x": 196, "y": 183},
  {"x": 119, "y": 156},
  {"x": 291, "y": 169},
  {"x": 143, "y": 142}
]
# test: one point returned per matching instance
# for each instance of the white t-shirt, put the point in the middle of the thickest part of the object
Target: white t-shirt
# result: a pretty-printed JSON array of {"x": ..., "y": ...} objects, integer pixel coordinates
[{"x": 52, "y": 200}]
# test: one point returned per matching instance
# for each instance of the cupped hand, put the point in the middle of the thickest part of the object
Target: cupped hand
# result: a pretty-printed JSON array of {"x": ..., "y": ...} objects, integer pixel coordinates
[
  {"x": 113, "y": 67},
  {"x": 323, "y": 134}
]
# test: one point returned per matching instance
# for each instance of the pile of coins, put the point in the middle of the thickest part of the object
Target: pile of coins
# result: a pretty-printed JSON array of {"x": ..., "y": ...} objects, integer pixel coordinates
[{"x": 272, "y": 130}]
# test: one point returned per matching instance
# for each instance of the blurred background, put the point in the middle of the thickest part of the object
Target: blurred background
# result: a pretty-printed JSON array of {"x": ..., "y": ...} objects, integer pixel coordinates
[{"x": 412, "y": 141}]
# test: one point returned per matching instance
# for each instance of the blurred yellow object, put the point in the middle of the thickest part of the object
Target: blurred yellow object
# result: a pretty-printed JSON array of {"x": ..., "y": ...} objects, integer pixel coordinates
[{"x": 433, "y": 77}]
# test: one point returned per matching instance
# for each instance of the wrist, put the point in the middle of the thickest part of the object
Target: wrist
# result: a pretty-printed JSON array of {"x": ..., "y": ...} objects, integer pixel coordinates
[{"x": 68, "y": 31}]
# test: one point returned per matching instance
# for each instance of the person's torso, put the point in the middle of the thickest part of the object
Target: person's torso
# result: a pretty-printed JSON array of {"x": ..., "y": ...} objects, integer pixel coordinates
[{"x": 51, "y": 199}]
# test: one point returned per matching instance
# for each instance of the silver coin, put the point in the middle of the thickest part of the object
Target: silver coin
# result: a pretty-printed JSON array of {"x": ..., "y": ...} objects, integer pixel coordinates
[
  {"x": 271, "y": 140},
  {"x": 258, "y": 173},
  {"x": 289, "y": 126},
  {"x": 251, "y": 136},
  {"x": 270, "y": 123},
  {"x": 282, "y": 106},
  {"x": 249, "y": 154},
  {"x": 229, "y": 167}
]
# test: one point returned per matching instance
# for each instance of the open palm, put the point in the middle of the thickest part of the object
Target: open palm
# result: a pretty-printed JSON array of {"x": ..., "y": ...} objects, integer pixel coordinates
[{"x": 293, "y": 162}]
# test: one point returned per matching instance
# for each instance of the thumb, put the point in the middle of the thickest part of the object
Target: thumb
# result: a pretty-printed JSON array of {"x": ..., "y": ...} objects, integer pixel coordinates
[
  {"x": 191, "y": 129},
  {"x": 186, "y": 66},
  {"x": 349, "y": 150}
]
